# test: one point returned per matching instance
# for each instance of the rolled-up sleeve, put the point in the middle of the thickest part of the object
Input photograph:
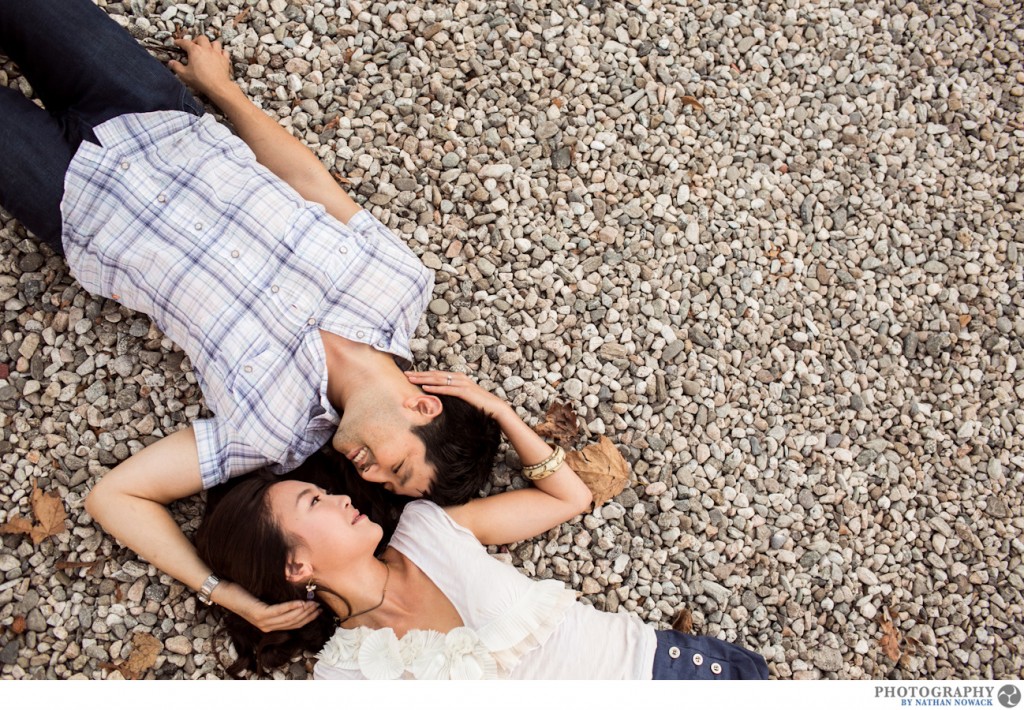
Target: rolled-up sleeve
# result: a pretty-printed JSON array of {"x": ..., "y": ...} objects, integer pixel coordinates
[{"x": 222, "y": 453}]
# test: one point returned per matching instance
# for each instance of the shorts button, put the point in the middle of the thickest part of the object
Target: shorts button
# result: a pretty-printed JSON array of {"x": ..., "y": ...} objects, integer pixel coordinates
[
  {"x": 248, "y": 368},
  {"x": 716, "y": 668},
  {"x": 674, "y": 652},
  {"x": 698, "y": 660}
]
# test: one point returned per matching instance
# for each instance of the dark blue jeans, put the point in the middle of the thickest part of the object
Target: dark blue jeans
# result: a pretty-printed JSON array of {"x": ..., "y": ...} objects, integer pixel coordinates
[
  {"x": 85, "y": 69},
  {"x": 683, "y": 657}
]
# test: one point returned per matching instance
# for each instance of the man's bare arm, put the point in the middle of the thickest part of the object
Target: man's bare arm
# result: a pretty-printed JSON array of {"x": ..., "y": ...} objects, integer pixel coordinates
[
  {"x": 209, "y": 72},
  {"x": 130, "y": 503}
]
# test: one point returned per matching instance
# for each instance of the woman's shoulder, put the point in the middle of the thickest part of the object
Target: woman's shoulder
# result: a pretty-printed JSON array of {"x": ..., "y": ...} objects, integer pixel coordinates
[{"x": 426, "y": 513}]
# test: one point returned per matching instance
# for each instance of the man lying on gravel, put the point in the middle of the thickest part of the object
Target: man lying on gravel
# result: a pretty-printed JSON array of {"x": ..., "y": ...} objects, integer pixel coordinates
[{"x": 292, "y": 302}]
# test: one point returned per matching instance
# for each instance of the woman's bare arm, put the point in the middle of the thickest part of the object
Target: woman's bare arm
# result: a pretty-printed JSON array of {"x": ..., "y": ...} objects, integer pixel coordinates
[{"x": 514, "y": 515}]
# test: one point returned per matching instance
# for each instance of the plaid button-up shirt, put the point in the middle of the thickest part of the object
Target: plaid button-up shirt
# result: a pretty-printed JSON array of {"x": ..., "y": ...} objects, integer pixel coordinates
[{"x": 172, "y": 216}]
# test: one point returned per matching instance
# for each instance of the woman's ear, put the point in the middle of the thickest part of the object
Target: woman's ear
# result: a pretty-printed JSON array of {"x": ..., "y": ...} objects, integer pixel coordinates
[{"x": 297, "y": 570}]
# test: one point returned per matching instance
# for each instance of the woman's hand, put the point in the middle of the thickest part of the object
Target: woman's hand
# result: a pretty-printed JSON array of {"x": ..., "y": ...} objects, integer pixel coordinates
[
  {"x": 208, "y": 68},
  {"x": 457, "y": 384},
  {"x": 278, "y": 617}
]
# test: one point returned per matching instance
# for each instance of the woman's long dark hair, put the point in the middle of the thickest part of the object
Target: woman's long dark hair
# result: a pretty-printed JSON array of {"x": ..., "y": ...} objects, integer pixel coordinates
[{"x": 241, "y": 542}]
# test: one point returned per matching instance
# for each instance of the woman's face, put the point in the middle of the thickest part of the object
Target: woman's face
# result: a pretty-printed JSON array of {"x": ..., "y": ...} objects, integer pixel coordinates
[{"x": 329, "y": 529}]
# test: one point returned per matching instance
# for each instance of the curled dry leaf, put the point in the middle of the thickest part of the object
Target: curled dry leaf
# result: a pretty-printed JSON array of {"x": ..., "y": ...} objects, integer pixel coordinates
[
  {"x": 144, "y": 653},
  {"x": 18, "y": 625},
  {"x": 560, "y": 424},
  {"x": 692, "y": 101},
  {"x": 49, "y": 514},
  {"x": 241, "y": 17},
  {"x": 890, "y": 641},
  {"x": 683, "y": 621},
  {"x": 602, "y": 468}
]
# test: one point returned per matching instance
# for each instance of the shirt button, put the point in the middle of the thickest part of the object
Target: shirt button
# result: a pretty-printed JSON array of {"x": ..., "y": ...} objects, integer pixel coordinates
[
  {"x": 343, "y": 250},
  {"x": 673, "y": 652},
  {"x": 360, "y": 334},
  {"x": 124, "y": 164},
  {"x": 234, "y": 253},
  {"x": 716, "y": 668},
  {"x": 312, "y": 321},
  {"x": 161, "y": 198},
  {"x": 199, "y": 225},
  {"x": 698, "y": 660},
  {"x": 248, "y": 368},
  {"x": 275, "y": 289}
]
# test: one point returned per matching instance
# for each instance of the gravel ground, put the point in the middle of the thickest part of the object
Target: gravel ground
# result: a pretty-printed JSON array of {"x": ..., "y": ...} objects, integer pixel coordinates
[{"x": 772, "y": 249}]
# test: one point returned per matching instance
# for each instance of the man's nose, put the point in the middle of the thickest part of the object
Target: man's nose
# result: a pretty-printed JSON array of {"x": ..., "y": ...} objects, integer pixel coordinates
[{"x": 373, "y": 473}]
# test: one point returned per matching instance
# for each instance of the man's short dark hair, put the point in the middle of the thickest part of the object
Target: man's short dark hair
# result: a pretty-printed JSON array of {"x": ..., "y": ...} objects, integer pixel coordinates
[{"x": 461, "y": 443}]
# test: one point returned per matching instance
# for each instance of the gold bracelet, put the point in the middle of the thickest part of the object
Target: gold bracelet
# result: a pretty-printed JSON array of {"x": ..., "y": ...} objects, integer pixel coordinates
[{"x": 540, "y": 471}]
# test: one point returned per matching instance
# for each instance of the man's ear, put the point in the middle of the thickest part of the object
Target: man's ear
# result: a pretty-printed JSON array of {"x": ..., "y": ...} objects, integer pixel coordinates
[{"x": 426, "y": 405}]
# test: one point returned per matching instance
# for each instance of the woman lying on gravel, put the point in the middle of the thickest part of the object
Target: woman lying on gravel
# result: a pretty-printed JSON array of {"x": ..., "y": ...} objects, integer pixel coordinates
[{"x": 434, "y": 604}]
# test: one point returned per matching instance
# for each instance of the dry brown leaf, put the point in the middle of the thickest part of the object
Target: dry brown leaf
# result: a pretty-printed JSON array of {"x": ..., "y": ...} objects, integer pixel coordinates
[
  {"x": 5, "y": 370},
  {"x": 560, "y": 424},
  {"x": 18, "y": 625},
  {"x": 964, "y": 320},
  {"x": 692, "y": 101},
  {"x": 17, "y": 524},
  {"x": 890, "y": 641},
  {"x": 683, "y": 621},
  {"x": 241, "y": 17},
  {"x": 558, "y": 101},
  {"x": 602, "y": 468},
  {"x": 90, "y": 567},
  {"x": 49, "y": 512},
  {"x": 145, "y": 650}
]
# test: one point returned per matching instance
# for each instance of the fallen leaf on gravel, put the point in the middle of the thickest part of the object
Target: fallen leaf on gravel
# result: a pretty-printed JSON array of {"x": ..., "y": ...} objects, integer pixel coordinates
[
  {"x": 241, "y": 17},
  {"x": 560, "y": 424},
  {"x": 890, "y": 641},
  {"x": 145, "y": 650},
  {"x": 692, "y": 101},
  {"x": 17, "y": 524},
  {"x": 91, "y": 568},
  {"x": 683, "y": 621},
  {"x": 18, "y": 625},
  {"x": 602, "y": 468},
  {"x": 49, "y": 513}
]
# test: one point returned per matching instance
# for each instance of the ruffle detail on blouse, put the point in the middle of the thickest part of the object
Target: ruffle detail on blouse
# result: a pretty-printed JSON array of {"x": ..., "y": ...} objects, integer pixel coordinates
[
  {"x": 528, "y": 623},
  {"x": 462, "y": 653},
  {"x": 426, "y": 655}
]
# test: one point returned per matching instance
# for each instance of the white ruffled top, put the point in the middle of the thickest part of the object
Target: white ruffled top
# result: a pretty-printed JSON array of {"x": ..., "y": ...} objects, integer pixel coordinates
[{"x": 506, "y": 615}]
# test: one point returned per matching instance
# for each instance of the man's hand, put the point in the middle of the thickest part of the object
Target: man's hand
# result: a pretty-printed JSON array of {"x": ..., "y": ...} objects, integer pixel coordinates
[{"x": 208, "y": 68}]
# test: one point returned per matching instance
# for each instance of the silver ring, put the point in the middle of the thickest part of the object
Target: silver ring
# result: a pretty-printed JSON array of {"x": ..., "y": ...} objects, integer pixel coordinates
[{"x": 449, "y": 380}]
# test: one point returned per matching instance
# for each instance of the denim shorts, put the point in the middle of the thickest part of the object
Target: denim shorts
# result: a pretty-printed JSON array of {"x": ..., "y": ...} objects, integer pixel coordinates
[{"x": 680, "y": 656}]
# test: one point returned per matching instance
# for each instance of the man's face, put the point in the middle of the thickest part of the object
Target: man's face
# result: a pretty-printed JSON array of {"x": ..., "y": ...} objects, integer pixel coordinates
[{"x": 378, "y": 440}]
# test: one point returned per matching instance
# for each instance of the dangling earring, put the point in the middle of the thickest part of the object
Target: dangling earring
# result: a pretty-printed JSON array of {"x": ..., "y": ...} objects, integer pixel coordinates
[{"x": 310, "y": 590}]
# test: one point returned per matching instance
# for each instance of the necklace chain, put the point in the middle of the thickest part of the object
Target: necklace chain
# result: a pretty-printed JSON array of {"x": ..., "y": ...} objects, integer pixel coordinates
[{"x": 387, "y": 578}]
